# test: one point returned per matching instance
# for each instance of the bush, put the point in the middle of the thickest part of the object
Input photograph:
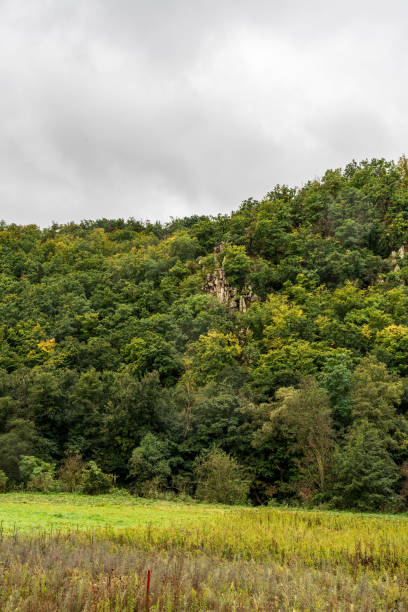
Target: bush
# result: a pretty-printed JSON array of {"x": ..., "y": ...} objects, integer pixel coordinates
[
  {"x": 404, "y": 488},
  {"x": 183, "y": 486},
  {"x": 71, "y": 473},
  {"x": 43, "y": 482},
  {"x": 37, "y": 475},
  {"x": 3, "y": 481},
  {"x": 152, "y": 488},
  {"x": 94, "y": 481},
  {"x": 221, "y": 479},
  {"x": 121, "y": 493}
]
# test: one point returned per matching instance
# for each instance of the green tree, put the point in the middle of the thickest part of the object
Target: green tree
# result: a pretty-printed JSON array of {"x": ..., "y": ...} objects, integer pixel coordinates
[
  {"x": 134, "y": 408},
  {"x": 237, "y": 265},
  {"x": 153, "y": 353},
  {"x": 95, "y": 481},
  {"x": 305, "y": 416},
  {"x": 21, "y": 438},
  {"x": 150, "y": 460},
  {"x": 336, "y": 379},
  {"x": 211, "y": 354},
  {"x": 286, "y": 363},
  {"x": 272, "y": 228},
  {"x": 375, "y": 393},
  {"x": 221, "y": 479},
  {"x": 366, "y": 476},
  {"x": 392, "y": 347}
]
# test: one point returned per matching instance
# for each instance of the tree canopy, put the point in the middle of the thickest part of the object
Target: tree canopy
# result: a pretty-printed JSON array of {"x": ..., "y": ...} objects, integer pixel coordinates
[{"x": 143, "y": 347}]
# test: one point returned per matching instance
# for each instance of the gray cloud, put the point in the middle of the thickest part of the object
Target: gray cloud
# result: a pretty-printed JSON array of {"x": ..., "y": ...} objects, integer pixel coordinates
[{"x": 158, "y": 109}]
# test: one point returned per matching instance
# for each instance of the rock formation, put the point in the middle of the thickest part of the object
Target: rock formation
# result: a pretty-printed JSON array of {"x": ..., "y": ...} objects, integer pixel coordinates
[{"x": 229, "y": 296}]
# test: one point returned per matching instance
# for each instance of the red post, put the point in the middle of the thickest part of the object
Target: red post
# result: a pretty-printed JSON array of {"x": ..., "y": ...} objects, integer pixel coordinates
[{"x": 147, "y": 590}]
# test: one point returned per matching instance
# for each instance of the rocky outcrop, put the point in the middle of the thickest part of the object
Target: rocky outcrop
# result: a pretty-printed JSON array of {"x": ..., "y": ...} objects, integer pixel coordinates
[
  {"x": 395, "y": 255},
  {"x": 229, "y": 296}
]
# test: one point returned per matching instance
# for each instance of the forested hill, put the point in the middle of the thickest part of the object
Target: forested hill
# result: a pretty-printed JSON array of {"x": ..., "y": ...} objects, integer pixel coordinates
[{"x": 278, "y": 334}]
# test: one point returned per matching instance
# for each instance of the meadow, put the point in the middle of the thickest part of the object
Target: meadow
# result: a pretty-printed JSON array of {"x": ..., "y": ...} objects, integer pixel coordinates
[{"x": 74, "y": 553}]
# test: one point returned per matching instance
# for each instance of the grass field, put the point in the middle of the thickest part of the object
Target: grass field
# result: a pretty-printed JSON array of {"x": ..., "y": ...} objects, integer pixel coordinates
[
  {"x": 71, "y": 552},
  {"x": 26, "y": 511}
]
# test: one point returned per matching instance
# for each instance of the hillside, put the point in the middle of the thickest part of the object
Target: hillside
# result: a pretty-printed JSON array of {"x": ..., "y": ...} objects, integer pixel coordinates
[{"x": 278, "y": 334}]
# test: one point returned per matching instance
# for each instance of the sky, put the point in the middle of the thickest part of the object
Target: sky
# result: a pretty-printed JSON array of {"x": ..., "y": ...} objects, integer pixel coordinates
[{"x": 166, "y": 108}]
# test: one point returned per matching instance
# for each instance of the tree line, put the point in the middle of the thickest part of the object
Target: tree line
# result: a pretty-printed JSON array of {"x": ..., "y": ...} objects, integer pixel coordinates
[{"x": 117, "y": 359}]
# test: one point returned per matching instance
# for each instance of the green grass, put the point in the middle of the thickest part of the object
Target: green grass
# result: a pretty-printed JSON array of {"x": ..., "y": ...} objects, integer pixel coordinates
[{"x": 27, "y": 511}]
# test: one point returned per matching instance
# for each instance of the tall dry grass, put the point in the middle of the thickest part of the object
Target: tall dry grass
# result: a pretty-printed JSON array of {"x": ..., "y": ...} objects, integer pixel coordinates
[{"x": 73, "y": 572}]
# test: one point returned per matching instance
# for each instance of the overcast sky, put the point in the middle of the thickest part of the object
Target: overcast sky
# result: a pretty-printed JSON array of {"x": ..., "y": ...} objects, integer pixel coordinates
[{"x": 159, "y": 108}]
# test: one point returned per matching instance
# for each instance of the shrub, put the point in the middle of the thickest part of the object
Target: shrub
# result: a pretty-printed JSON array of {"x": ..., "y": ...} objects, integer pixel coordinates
[
  {"x": 95, "y": 481},
  {"x": 71, "y": 473},
  {"x": 120, "y": 493},
  {"x": 221, "y": 479},
  {"x": 37, "y": 475},
  {"x": 43, "y": 482},
  {"x": 3, "y": 481},
  {"x": 404, "y": 487},
  {"x": 152, "y": 488},
  {"x": 183, "y": 485}
]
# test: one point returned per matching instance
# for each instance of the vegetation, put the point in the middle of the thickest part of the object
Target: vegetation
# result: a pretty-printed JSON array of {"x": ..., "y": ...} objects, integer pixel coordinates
[
  {"x": 275, "y": 338},
  {"x": 220, "y": 479},
  {"x": 94, "y": 553}
]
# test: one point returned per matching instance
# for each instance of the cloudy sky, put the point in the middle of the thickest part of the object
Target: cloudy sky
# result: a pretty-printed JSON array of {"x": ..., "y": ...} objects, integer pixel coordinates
[{"x": 159, "y": 108}]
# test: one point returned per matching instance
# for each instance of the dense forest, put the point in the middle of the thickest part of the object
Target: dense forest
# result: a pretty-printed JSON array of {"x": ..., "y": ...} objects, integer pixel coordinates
[{"x": 261, "y": 355}]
